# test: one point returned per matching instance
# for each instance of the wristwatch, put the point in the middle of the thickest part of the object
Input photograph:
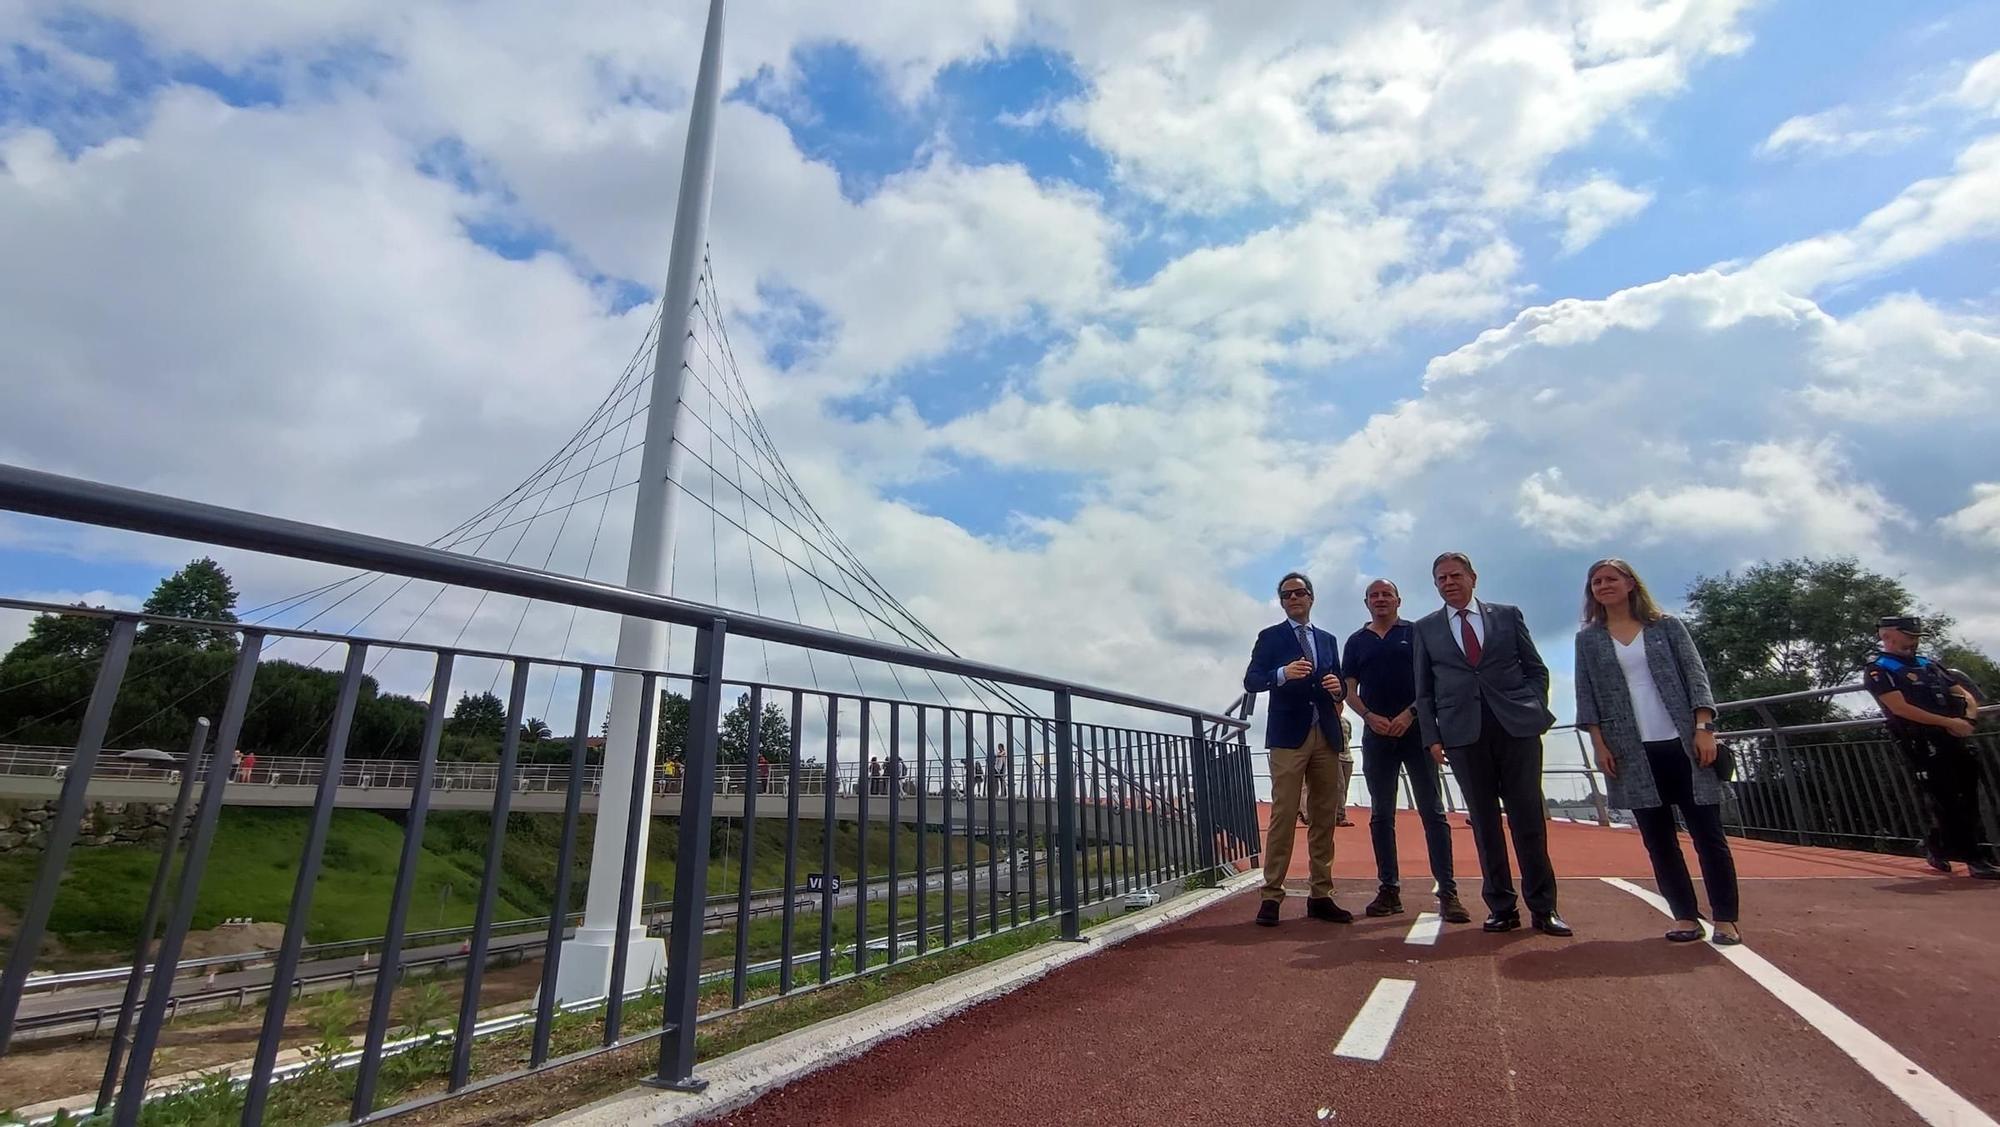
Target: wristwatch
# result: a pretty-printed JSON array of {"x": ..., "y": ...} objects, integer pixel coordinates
[{"x": 1704, "y": 726}]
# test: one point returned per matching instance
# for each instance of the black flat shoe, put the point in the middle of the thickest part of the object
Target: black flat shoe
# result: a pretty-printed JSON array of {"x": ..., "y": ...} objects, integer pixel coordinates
[
  {"x": 1502, "y": 922},
  {"x": 1688, "y": 935},
  {"x": 1553, "y": 924},
  {"x": 1722, "y": 940},
  {"x": 1324, "y": 909}
]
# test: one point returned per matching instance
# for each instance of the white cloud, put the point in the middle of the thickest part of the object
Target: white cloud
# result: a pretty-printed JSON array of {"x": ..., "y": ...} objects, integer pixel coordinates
[
  {"x": 1979, "y": 521},
  {"x": 1592, "y": 208},
  {"x": 1829, "y": 133},
  {"x": 1980, "y": 88},
  {"x": 289, "y": 315},
  {"x": 1929, "y": 215},
  {"x": 1205, "y": 111}
]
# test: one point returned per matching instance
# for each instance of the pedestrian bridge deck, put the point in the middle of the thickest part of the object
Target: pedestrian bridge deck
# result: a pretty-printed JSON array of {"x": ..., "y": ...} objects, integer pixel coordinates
[{"x": 1863, "y": 997}]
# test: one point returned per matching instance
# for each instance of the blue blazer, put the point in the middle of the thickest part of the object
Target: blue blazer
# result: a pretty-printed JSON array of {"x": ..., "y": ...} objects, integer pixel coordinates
[{"x": 1291, "y": 715}]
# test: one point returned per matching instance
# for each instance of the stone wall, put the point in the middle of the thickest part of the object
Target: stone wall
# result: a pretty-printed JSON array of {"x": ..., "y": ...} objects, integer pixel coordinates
[{"x": 25, "y": 825}]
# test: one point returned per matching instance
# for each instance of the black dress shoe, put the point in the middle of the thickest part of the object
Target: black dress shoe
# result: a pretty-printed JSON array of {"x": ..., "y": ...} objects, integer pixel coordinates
[
  {"x": 1932, "y": 859},
  {"x": 1453, "y": 911},
  {"x": 1387, "y": 902},
  {"x": 1503, "y": 921},
  {"x": 1982, "y": 870},
  {"x": 1323, "y": 908},
  {"x": 1267, "y": 914},
  {"x": 1553, "y": 924}
]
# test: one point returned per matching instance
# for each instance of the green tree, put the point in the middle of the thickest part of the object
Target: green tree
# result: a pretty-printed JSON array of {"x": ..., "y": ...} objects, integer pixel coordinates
[
  {"x": 534, "y": 730},
  {"x": 774, "y": 734},
  {"x": 671, "y": 743},
  {"x": 478, "y": 715},
  {"x": 201, "y": 590},
  {"x": 1789, "y": 626},
  {"x": 76, "y": 637}
]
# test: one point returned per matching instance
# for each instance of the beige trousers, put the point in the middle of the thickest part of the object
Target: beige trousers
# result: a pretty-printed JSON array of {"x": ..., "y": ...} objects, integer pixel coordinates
[{"x": 1316, "y": 767}]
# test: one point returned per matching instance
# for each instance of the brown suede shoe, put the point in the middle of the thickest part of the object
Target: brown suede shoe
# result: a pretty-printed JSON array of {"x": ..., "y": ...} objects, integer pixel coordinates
[
  {"x": 1267, "y": 914},
  {"x": 1453, "y": 911}
]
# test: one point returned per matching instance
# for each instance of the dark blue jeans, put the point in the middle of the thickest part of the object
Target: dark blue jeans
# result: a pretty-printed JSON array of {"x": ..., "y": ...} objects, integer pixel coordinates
[{"x": 1381, "y": 760}]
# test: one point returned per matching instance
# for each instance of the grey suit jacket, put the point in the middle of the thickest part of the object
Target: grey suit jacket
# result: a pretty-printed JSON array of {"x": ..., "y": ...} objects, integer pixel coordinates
[
  {"x": 1604, "y": 698},
  {"x": 1510, "y": 678}
]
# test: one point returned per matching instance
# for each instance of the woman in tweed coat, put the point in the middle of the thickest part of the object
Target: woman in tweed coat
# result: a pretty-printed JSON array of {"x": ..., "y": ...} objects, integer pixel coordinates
[{"x": 1642, "y": 693}]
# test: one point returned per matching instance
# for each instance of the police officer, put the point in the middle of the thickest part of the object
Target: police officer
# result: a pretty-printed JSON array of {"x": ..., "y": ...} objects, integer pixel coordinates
[{"x": 1928, "y": 714}]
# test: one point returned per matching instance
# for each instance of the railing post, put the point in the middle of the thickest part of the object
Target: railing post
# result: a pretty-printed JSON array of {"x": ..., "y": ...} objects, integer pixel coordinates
[
  {"x": 114, "y": 1058},
  {"x": 691, "y": 865},
  {"x": 1204, "y": 816},
  {"x": 159, "y": 993},
  {"x": 1597, "y": 800},
  {"x": 1791, "y": 774},
  {"x": 1066, "y": 816},
  {"x": 69, "y": 816}
]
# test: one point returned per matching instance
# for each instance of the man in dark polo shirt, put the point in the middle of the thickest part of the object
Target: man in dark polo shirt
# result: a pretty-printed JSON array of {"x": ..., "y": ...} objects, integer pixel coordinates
[{"x": 1382, "y": 690}]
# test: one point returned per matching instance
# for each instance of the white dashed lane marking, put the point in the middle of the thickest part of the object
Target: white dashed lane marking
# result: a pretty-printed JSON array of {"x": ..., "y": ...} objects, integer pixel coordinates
[{"x": 1369, "y": 1034}]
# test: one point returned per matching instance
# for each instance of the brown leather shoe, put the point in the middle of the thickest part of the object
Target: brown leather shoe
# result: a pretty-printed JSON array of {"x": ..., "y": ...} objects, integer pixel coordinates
[
  {"x": 1387, "y": 902},
  {"x": 1267, "y": 914},
  {"x": 1323, "y": 908},
  {"x": 1453, "y": 911}
]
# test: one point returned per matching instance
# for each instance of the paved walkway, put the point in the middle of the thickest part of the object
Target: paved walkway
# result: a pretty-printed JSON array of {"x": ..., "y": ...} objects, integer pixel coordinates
[{"x": 1866, "y": 997}]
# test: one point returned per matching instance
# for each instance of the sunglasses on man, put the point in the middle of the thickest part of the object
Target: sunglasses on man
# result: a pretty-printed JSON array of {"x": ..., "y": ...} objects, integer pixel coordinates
[{"x": 1295, "y": 593}]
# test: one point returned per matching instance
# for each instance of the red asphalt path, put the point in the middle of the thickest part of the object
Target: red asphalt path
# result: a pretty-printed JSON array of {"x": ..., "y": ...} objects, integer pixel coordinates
[{"x": 1212, "y": 1020}]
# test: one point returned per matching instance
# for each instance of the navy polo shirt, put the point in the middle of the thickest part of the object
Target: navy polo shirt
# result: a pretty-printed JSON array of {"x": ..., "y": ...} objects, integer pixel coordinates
[{"x": 1382, "y": 668}]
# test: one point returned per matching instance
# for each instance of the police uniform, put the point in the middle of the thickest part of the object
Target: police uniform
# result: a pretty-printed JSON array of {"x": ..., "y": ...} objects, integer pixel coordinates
[{"x": 1944, "y": 765}]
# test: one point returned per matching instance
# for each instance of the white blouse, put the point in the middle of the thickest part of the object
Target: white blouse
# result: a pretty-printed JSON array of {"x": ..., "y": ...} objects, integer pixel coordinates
[{"x": 1655, "y": 723}]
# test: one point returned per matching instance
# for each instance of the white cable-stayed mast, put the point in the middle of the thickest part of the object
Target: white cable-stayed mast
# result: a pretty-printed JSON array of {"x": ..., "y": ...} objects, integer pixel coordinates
[{"x": 642, "y": 642}]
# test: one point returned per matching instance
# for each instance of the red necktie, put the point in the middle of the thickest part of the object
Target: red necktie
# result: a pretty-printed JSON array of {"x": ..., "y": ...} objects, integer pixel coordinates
[{"x": 1471, "y": 639}]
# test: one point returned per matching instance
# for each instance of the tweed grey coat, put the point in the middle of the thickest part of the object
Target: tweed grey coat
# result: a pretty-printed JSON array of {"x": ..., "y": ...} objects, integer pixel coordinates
[{"x": 1602, "y": 698}]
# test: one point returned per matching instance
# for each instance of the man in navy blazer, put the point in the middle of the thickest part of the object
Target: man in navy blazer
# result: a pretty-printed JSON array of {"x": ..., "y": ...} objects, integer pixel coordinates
[{"x": 1299, "y": 665}]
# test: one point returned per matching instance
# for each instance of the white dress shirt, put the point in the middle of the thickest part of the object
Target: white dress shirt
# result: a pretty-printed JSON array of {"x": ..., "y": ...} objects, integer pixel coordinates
[
  {"x": 1293, "y": 625},
  {"x": 1473, "y": 615}
]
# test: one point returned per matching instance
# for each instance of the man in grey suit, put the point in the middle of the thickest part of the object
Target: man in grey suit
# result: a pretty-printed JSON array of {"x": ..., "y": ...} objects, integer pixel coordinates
[{"x": 1482, "y": 705}]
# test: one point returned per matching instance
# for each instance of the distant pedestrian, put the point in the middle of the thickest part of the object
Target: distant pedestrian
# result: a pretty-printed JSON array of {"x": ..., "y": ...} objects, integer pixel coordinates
[
  {"x": 236, "y": 765},
  {"x": 763, "y": 774},
  {"x": 250, "y": 767},
  {"x": 875, "y": 775}
]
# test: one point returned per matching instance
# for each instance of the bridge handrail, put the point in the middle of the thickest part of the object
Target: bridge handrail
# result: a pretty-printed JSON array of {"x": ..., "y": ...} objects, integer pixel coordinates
[{"x": 73, "y": 499}]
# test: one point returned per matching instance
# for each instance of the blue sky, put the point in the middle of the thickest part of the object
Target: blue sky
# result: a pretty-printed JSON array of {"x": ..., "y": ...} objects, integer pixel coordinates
[{"x": 1099, "y": 313}]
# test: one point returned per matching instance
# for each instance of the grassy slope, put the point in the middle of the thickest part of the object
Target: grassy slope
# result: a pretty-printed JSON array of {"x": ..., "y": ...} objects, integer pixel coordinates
[{"x": 253, "y": 864}]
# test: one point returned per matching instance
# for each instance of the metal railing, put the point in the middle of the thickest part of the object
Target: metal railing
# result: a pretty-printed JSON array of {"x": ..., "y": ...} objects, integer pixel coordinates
[
  {"x": 1163, "y": 796},
  {"x": 1841, "y": 783},
  {"x": 1007, "y": 780}
]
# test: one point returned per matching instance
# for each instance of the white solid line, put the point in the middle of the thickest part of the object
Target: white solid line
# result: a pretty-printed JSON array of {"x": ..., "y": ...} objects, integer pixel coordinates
[
  {"x": 1926, "y": 1094},
  {"x": 1424, "y": 933},
  {"x": 1367, "y": 1036}
]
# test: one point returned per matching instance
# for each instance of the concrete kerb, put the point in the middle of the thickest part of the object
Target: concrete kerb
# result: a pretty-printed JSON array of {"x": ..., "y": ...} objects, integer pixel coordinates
[{"x": 742, "y": 1077}]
